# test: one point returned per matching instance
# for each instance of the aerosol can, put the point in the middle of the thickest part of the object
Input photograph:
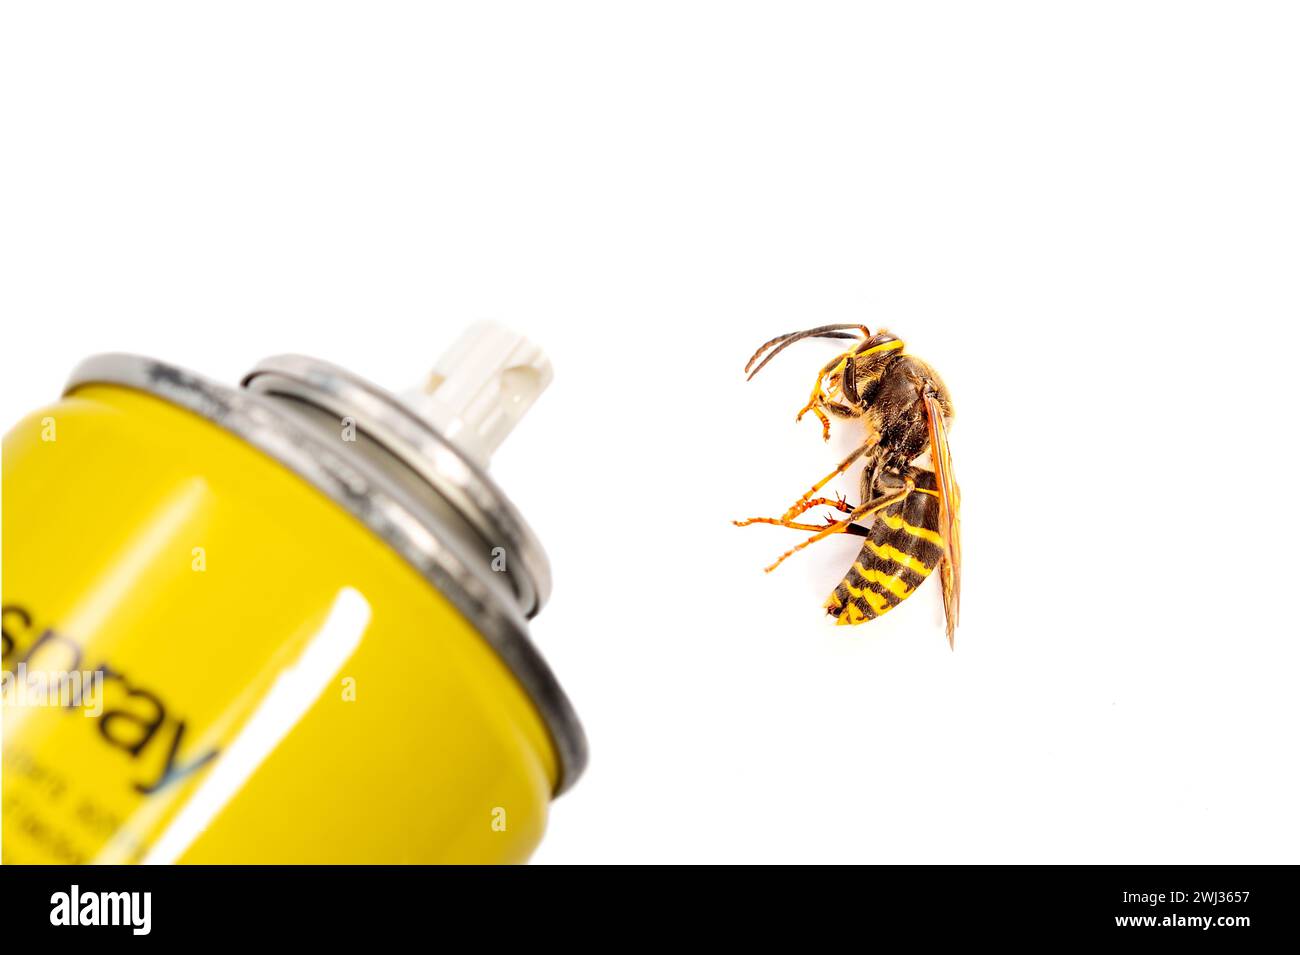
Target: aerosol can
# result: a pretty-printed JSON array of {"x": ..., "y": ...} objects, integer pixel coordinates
[{"x": 283, "y": 622}]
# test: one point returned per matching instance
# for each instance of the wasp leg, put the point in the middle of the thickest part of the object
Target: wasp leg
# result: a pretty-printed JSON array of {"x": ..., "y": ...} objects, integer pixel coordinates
[
  {"x": 820, "y": 416},
  {"x": 839, "y": 503},
  {"x": 819, "y": 397},
  {"x": 780, "y": 522},
  {"x": 814, "y": 405},
  {"x": 840, "y": 527},
  {"x": 853, "y": 530},
  {"x": 797, "y": 507}
]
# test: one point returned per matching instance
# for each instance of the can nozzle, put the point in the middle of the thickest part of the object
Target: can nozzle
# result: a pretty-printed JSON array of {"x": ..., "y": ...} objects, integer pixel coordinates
[{"x": 481, "y": 387}]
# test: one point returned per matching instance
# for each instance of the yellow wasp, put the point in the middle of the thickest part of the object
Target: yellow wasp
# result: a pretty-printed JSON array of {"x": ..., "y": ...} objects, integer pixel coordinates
[{"x": 903, "y": 406}]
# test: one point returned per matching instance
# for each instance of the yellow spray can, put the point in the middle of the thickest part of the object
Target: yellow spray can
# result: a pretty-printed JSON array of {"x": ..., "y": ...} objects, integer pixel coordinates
[{"x": 285, "y": 622}]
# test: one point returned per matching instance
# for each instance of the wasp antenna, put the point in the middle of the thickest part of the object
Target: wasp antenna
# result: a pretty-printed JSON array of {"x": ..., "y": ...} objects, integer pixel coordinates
[
  {"x": 819, "y": 332},
  {"x": 783, "y": 341},
  {"x": 789, "y": 336}
]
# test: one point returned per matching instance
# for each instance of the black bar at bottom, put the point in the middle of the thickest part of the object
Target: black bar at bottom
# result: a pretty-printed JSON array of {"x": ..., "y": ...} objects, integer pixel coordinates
[{"x": 336, "y": 904}]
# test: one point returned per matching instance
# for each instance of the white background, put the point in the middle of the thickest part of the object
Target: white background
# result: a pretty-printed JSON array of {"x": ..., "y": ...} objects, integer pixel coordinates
[{"x": 1084, "y": 215}]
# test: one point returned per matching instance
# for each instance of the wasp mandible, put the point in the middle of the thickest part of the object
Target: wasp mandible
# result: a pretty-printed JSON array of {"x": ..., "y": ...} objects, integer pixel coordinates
[{"x": 904, "y": 408}]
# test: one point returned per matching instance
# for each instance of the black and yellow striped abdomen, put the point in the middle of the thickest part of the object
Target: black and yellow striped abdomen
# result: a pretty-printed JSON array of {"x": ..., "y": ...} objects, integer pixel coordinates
[{"x": 903, "y": 547}]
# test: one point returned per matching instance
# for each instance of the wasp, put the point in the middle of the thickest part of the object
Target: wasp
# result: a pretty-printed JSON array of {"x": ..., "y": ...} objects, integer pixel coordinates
[{"x": 904, "y": 409}]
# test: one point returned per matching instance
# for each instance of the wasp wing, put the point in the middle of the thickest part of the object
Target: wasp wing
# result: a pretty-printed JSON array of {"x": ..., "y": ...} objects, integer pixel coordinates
[{"x": 949, "y": 520}]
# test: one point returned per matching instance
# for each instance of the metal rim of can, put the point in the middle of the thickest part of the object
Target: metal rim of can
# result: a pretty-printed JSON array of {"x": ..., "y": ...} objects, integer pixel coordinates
[
  {"x": 368, "y": 496},
  {"x": 422, "y": 449}
]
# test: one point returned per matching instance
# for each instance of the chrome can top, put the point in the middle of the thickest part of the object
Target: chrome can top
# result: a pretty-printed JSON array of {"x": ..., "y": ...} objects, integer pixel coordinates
[{"x": 403, "y": 440}]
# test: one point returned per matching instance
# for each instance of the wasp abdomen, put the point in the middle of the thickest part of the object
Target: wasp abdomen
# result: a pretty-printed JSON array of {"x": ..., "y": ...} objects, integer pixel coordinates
[{"x": 904, "y": 547}]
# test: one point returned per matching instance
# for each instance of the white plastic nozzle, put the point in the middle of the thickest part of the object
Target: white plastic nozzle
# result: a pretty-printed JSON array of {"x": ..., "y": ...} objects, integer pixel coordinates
[{"x": 481, "y": 387}]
